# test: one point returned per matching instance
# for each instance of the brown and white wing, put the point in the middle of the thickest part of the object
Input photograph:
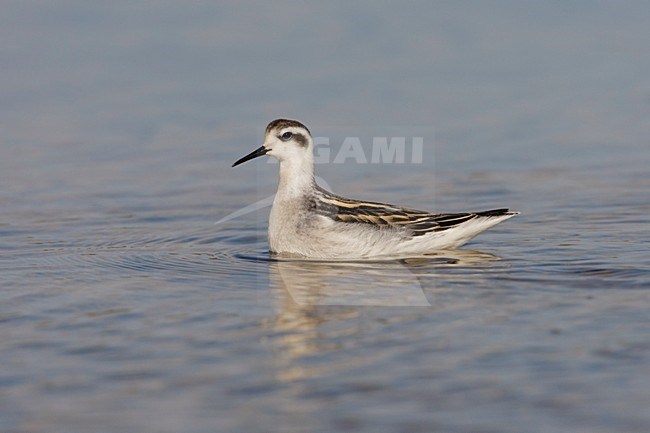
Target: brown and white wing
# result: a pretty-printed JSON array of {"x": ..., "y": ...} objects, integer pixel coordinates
[{"x": 412, "y": 222}]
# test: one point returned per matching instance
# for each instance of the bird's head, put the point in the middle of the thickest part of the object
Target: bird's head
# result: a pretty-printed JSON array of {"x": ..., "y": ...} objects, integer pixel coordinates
[{"x": 286, "y": 140}]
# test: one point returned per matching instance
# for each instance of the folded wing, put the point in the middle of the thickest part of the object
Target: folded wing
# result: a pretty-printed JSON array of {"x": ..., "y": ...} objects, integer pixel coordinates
[{"x": 380, "y": 215}]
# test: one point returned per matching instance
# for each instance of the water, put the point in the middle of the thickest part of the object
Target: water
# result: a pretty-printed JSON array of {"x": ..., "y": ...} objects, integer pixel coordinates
[{"x": 125, "y": 308}]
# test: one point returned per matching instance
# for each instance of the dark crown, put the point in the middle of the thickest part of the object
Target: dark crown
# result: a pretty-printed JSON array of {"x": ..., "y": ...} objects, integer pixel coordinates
[{"x": 284, "y": 123}]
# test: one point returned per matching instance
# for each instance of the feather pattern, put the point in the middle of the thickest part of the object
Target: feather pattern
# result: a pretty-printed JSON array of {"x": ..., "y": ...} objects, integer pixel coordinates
[{"x": 411, "y": 222}]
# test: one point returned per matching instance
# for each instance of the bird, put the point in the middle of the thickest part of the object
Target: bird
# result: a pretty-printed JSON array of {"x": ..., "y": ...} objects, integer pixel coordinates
[{"x": 308, "y": 221}]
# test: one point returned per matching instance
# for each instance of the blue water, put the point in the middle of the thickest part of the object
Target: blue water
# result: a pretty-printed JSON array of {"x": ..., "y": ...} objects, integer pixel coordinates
[{"x": 126, "y": 308}]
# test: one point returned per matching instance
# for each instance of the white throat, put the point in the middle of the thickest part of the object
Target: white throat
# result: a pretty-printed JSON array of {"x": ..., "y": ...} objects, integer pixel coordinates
[{"x": 296, "y": 177}]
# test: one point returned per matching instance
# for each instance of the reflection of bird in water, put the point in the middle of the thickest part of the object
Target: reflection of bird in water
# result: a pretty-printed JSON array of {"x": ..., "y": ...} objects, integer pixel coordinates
[
  {"x": 393, "y": 282},
  {"x": 311, "y": 294},
  {"x": 356, "y": 283}
]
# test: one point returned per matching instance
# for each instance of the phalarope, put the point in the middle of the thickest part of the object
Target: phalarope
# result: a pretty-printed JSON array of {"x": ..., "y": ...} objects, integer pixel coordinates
[{"x": 308, "y": 221}]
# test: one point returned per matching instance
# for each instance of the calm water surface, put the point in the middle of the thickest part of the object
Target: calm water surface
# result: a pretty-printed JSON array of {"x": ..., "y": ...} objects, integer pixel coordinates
[{"x": 125, "y": 308}]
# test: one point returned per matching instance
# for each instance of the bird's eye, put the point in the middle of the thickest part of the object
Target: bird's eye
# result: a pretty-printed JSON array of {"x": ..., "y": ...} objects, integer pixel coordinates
[{"x": 286, "y": 136}]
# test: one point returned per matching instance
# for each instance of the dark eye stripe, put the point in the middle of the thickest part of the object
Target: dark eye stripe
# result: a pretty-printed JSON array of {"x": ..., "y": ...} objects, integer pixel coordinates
[
  {"x": 300, "y": 139},
  {"x": 296, "y": 136}
]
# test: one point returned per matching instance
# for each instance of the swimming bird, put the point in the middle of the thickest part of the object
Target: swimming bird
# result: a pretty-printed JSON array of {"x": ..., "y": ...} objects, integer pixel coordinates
[{"x": 308, "y": 221}]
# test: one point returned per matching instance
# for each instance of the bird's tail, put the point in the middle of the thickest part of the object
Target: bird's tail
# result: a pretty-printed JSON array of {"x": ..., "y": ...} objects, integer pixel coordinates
[{"x": 496, "y": 213}]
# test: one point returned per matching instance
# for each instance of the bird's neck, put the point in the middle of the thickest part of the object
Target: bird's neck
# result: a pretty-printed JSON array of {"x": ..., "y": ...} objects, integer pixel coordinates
[{"x": 296, "y": 179}]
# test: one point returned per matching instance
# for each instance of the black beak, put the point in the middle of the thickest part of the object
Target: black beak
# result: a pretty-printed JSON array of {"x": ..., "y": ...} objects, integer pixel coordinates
[{"x": 254, "y": 154}]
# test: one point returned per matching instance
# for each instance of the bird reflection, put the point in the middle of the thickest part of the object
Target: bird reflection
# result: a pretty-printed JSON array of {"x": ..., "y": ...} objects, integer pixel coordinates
[
  {"x": 396, "y": 282},
  {"x": 310, "y": 294}
]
